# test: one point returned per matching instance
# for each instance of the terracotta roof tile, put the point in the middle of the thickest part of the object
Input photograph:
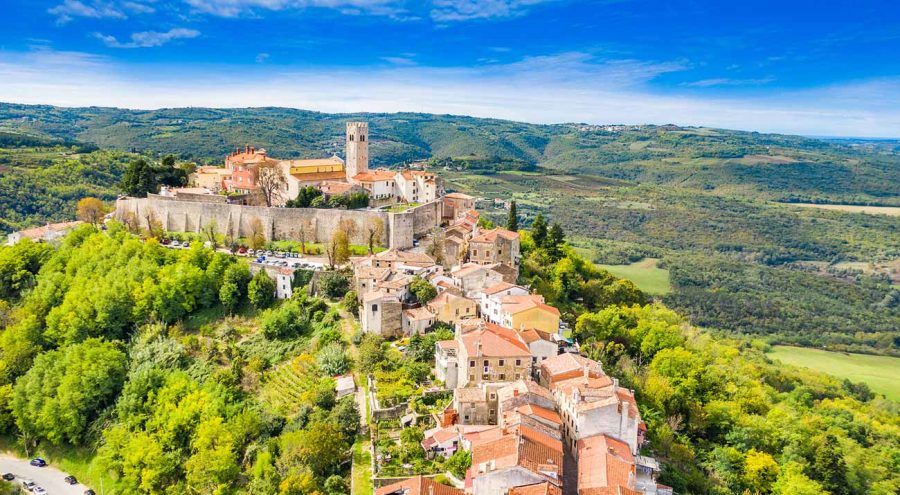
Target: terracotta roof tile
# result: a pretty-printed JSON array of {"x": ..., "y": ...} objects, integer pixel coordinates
[
  {"x": 544, "y": 488},
  {"x": 604, "y": 462},
  {"x": 419, "y": 485},
  {"x": 496, "y": 341}
]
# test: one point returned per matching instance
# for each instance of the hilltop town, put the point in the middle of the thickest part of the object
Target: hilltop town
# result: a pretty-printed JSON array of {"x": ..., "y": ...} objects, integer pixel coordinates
[{"x": 533, "y": 414}]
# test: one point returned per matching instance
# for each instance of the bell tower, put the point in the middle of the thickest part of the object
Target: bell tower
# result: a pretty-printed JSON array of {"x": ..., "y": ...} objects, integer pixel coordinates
[{"x": 357, "y": 160}]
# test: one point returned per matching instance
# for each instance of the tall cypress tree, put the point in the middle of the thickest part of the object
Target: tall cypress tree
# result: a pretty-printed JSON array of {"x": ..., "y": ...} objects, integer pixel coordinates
[
  {"x": 539, "y": 230},
  {"x": 512, "y": 220}
]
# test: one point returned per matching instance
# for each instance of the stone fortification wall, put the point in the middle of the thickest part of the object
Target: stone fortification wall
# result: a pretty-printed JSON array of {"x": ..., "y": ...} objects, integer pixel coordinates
[{"x": 316, "y": 225}]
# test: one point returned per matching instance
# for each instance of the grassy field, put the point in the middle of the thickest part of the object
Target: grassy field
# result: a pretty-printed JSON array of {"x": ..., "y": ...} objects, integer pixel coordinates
[
  {"x": 893, "y": 211},
  {"x": 881, "y": 373},
  {"x": 645, "y": 274}
]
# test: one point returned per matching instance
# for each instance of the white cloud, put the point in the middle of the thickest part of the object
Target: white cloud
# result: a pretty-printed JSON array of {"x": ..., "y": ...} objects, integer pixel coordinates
[
  {"x": 463, "y": 10},
  {"x": 148, "y": 39},
  {"x": 399, "y": 60},
  {"x": 98, "y": 9},
  {"x": 570, "y": 87},
  {"x": 233, "y": 8},
  {"x": 262, "y": 57},
  {"x": 724, "y": 81}
]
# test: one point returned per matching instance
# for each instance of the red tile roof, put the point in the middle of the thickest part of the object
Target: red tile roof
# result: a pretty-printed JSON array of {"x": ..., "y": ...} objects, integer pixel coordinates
[
  {"x": 604, "y": 463},
  {"x": 491, "y": 235},
  {"x": 544, "y": 488},
  {"x": 419, "y": 485},
  {"x": 376, "y": 175},
  {"x": 496, "y": 341}
]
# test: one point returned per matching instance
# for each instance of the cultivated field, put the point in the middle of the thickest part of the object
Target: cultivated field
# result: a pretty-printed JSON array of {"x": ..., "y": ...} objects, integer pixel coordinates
[
  {"x": 872, "y": 210},
  {"x": 645, "y": 274},
  {"x": 881, "y": 373}
]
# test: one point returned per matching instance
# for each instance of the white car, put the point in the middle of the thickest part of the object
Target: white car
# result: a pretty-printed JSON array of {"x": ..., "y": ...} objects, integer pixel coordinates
[{"x": 38, "y": 491}]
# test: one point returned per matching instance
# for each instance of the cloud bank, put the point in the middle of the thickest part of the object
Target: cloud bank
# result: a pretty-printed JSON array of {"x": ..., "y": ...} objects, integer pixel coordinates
[{"x": 568, "y": 87}]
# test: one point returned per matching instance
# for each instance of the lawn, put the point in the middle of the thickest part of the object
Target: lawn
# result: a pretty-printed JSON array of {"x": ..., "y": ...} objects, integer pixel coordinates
[
  {"x": 645, "y": 274},
  {"x": 881, "y": 373},
  {"x": 362, "y": 468}
]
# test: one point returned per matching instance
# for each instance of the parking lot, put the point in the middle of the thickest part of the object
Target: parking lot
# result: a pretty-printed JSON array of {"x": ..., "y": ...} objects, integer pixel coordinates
[{"x": 48, "y": 477}]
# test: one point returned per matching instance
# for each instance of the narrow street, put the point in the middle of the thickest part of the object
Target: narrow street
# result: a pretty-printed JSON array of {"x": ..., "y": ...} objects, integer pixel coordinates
[{"x": 48, "y": 477}]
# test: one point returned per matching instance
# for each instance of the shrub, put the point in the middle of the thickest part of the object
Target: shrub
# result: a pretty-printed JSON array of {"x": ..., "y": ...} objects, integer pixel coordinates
[{"x": 261, "y": 290}]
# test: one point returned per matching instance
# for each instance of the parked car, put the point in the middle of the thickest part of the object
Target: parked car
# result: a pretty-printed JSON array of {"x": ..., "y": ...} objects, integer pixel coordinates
[
  {"x": 242, "y": 250},
  {"x": 28, "y": 484},
  {"x": 90, "y": 492},
  {"x": 268, "y": 253},
  {"x": 176, "y": 243},
  {"x": 38, "y": 491},
  {"x": 70, "y": 480},
  {"x": 37, "y": 461},
  {"x": 9, "y": 476}
]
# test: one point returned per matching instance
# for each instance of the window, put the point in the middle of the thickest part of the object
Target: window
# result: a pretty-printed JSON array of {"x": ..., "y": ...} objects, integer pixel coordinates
[
  {"x": 493, "y": 396},
  {"x": 501, "y": 362},
  {"x": 475, "y": 253},
  {"x": 486, "y": 362},
  {"x": 471, "y": 364},
  {"x": 351, "y": 137},
  {"x": 471, "y": 379},
  {"x": 518, "y": 362},
  {"x": 467, "y": 417},
  {"x": 503, "y": 376},
  {"x": 374, "y": 308},
  {"x": 492, "y": 412}
]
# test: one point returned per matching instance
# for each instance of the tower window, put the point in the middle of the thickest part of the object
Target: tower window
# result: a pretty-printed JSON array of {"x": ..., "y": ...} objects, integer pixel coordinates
[
  {"x": 351, "y": 137},
  {"x": 362, "y": 138}
]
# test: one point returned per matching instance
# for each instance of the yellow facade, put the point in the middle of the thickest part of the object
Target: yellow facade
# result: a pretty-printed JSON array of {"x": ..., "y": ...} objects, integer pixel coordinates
[{"x": 537, "y": 318}]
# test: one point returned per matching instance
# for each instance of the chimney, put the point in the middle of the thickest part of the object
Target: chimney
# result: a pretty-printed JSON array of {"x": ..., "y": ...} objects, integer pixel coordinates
[
  {"x": 515, "y": 392},
  {"x": 478, "y": 349}
]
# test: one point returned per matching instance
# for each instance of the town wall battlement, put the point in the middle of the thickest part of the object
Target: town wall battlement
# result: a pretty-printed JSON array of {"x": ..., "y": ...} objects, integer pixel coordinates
[{"x": 313, "y": 224}]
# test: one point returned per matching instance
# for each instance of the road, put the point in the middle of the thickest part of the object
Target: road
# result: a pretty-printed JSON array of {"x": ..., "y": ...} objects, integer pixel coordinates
[{"x": 50, "y": 478}]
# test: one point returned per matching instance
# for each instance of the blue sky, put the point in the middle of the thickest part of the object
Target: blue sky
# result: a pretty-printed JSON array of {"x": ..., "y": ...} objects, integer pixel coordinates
[{"x": 806, "y": 67}]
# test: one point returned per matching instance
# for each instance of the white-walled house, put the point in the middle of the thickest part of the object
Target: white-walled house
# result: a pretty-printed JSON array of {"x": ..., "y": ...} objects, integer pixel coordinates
[{"x": 491, "y": 298}]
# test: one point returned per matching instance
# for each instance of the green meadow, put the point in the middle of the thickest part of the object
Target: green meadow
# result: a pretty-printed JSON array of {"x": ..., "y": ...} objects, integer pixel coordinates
[
  {"x": 645, "y": 274},
  {"x": 881, "y": 373}
]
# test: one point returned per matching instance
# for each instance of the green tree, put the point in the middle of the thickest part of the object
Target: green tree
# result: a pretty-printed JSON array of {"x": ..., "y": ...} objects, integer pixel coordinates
[
  {"x": 66, "y": 389},
  {"x": 234, "y": 285},
  {"x": 333, "y": 284},
  {"x": 555, "y": 241},
  {"x": 305, "y": 197},
  {"x": 793, "y": 482},
  {"x": 459, "y": 463},
  {"x": 139, "y": 179},
  {"x": 321, "y": 448},
  {"x": 19, "y": 264},
  {"x": 261, "y": 290},
  {"x": 539, "y": 230},
  {"x": 422, "y": 290},
  {"x": 371, "y": 352},
  {"x": 213, "y": 466},
  {"x": 512, "y": 218},
  {"x": 828, "y": 465},
  {"x": 760, "y": 471}
]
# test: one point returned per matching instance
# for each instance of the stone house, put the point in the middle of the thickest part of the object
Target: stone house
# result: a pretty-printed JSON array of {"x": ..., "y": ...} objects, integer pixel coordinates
[
  {"x": 492, "y": 354},
  {"x": 541, "y": 346},
  {"x": 451, "y": 308},
  {"x": 446, "y": 363},
  {"x": 495, "y": 246},
  {"x": 457, "y": 204},
  {"x": 472, "y": 278},
  {"x": 416, "y": 321},
  {"x": 606, "y": 464},
  {"x": 381, "y": 314}
]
